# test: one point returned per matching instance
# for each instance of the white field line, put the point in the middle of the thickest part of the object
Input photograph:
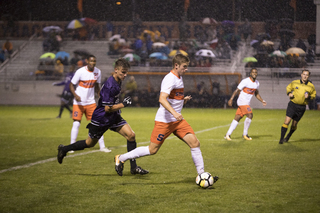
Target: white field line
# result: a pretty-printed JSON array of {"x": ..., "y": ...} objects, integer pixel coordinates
[{"x": 89, "y": 152}]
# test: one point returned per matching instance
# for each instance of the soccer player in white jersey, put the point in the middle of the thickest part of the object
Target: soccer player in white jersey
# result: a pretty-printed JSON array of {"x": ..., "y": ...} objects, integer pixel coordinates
[
  {"x": 87, "y": 79},
  {"x": 169, "y": 119},
  {"x": 248, "y": 87}
]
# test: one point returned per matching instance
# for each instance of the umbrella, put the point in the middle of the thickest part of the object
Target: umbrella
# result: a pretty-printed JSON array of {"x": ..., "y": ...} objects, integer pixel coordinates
[
  {"x": 209, "y": 21},
  {"x": 56, "y": 29},
  {"x": 254, "y": 43},
  {"x": 158, "y": 55},
  {"x": 132, "y": 57},
  {"x": 116, "y": 36},
  {"x": 249, "y": 59},
  {"x": 278, "y": 53},
  {"x": 122, "y": 41},
  {"x": 205, "y": 53},
  {"x": 295, "y": 50},
  {"x": 267, "y": 43},
  {"x": 82, "y": 52},
  {"x": 74, "y": 24},
  {"x": 88, "y": 21},
  {"x": 62, "y": 55},
  {"x": 158, "y": 44},
  {"x": 175, "y": 52},
  {"x": 48, "y": 54}
]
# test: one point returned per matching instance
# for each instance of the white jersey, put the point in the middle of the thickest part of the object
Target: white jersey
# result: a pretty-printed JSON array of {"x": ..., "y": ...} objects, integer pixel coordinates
[
  {"x": 172, "y": 85},
  {"x": 86, "y": 80},
  {"x": 248, "y": 89}
]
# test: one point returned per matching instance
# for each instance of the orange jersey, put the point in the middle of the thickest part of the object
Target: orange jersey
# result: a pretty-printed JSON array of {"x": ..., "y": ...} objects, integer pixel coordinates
[
  {"x": 172, "y": 85},
  {"x": 86, "y": 80}
]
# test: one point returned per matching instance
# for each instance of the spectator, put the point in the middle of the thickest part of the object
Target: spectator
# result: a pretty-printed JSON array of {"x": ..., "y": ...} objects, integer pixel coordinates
[
  {"x": 137, "y": 25},
  {"x": 58, "y": 68},
  {"x": 2, "y": 56},
  {"x": 7, "y": 47},
  {"x": 246, "y": 29},
  {"x": 301, "y": 45},
  {"x": 109, "y": 28},
  {"x": 310, "y": 55}
]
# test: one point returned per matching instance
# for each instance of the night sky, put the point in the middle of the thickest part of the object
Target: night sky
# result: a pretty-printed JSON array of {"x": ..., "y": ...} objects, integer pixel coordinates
[{"x": 157, "y": 10}]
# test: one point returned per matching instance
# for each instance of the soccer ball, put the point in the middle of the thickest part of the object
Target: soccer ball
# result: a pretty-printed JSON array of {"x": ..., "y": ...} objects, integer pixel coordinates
[{"x": 204, "y": 180}]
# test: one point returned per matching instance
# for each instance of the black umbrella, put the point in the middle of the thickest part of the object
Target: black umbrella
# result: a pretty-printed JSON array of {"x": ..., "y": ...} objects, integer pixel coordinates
[{"x": 82, "y": 52}]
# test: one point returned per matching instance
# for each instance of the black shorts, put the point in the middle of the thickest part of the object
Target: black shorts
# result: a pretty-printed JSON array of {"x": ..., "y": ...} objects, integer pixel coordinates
[
  {"x": 98, "y": 131},
  {"x": 295, "y": 111}
]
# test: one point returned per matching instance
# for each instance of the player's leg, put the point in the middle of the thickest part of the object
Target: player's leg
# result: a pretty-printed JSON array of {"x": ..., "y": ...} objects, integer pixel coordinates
[
  {"x": 129, "y": 134},
  {"x": 234, "y": 124},
  {"x": 246, "y": 126},
  {"x": 194, "y": 144},
  {"x": 284, "y": 129},
  {"x": 292, "y": 129},
  {"x": 61, "y": 108},
  {"x": 76, "y": 115}
]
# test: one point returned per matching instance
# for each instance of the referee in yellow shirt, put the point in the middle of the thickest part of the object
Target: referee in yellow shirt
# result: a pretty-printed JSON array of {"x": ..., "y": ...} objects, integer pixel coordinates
[{"x": 300, "y": 93}]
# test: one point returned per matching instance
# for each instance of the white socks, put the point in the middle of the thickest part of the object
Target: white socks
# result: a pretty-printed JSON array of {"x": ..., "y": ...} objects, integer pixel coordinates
[
  {"x": 197, "y": 159},
  {"x": 136, "y": 153},
  {"x": 232, "y": 127},
  {"x": 101, "y": 142},
  {"x": 74, "y": 131},
  {"x": 247, "y": 123}
]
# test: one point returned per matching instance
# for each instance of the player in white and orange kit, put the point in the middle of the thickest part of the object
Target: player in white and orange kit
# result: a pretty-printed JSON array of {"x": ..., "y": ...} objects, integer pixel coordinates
[
  {"x": 248, "y": 87},
  {"x": 88, "y": 79},
  {"x": 169, "y": 119}
]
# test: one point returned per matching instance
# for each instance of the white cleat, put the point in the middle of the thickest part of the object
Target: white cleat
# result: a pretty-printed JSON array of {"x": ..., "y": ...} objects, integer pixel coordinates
[
  {"x": 227, "y": 137},
  {"x": 105, "y": 149}
]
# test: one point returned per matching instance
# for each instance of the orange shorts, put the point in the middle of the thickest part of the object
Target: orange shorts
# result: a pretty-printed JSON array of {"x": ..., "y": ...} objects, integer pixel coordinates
[
  {"x": 78, "y": 111},
  {"x": 162, "y": 130},
  {"x": 243, "y": 110}
]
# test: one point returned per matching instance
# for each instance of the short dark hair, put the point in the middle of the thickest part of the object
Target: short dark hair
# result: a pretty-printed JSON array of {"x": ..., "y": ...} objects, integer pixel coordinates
[
  {"x": 179, "y": 59},
  {"x": 305, "y": 70},
  {"x": 253, "y": 68},
  {"x": 121, "y": 62},
  {"x": 90, "y": 56}
]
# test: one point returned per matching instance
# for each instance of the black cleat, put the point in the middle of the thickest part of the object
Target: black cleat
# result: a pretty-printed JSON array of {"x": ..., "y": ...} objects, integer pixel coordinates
[
  {"x": 119, "y": 165},
  {"x": 61, "y": 153},
  {"x": 215, "y": 179},
  {"x": 139, "y": 170},
  {"x": 285, "y": 140},
  {"x": 281, "y": 141}
]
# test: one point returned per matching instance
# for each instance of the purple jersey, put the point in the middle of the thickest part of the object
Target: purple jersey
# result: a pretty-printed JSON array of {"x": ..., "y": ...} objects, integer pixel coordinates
[
  {"x": 109, "y": 96},
  {"x": 66, "y": 82}
]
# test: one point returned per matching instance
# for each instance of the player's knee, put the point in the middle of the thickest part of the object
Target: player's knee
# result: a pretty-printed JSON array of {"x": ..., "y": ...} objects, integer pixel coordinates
[{"x": 131, "y": 136}]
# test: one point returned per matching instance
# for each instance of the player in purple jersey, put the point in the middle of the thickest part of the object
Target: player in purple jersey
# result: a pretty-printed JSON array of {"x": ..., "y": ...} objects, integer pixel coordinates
[
  {"x": 66, "y": 96},
  {"x": 107, "y": 115}
]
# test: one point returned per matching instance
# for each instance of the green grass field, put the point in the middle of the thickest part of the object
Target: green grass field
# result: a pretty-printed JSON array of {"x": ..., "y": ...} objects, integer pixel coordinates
[{"x": 255, "y": 176}]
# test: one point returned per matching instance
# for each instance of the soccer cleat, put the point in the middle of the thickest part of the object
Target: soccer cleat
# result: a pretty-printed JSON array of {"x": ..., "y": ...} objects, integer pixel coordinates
[
  {"x": 215, "y": 179},
  {"x": 227, "y": 137},
  {"x": 247, "y": 137},
  {"x": 119, "y": 165},
  {"x": 285, "y": 140},
  {"x": 281, "y": 141},
  {"x": 61, "y": 153},
  {"x": 139, "y": 170},
  {"x": 105, "y": 149}
]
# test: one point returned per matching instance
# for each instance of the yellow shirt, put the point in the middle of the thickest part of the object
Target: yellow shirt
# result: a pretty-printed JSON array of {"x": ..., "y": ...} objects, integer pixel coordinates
[{"x": 298, "y": 89}]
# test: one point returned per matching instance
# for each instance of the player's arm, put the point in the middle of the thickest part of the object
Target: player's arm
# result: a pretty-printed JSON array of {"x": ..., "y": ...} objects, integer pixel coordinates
[
  {"x": 73, "y": 91},
  {"x": 290, "y": 90},
  {"x": 232, "y": 96},
  {"x": 165, "y": 103},
  {"x": 258, "y": 96},
  {"x": 97, "y": 88},
  {"x": 126, "y": 102}
]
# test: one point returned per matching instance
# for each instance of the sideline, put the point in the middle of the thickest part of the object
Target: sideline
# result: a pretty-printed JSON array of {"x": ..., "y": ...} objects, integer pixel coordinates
[{"x": 93, "y": 151}]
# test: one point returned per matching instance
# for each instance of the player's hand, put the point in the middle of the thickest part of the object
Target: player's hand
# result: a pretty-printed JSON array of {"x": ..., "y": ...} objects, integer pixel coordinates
[
  {"x": 187, "y": 98},
  {"x": 306, "y": 95},
  {"x": 127, "y": 101},
  {"x": 77, "y": 98},
  {"x": 264, "y": 103},
  {"x": 230, "y": 102},
  {"x": 290, "y": 95},
  {"x": 178, "y": 116}
]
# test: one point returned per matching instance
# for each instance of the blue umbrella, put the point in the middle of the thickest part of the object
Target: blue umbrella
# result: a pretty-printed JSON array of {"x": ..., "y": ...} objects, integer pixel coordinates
[
  {"x": 62, "y": 55},
  {"x": 158, "y": 55}
]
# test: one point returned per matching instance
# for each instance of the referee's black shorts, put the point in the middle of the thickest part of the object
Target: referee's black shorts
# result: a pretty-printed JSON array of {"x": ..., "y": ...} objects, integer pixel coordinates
[{"x": 295, "y": 111}]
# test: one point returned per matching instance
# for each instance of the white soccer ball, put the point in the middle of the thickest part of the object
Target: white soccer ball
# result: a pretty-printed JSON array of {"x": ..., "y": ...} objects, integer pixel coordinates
[{"x": 204, "y": 180}]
